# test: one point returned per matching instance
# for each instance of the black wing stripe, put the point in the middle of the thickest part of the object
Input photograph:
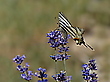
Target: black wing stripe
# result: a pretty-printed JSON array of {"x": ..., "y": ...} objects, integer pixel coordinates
[
  {"x": 65, "y": 24},
  {"x": 72, "y": 30},
  {"x": 60, "y": 19},
  {"x": 64, "y": 19},
  {"x": 67, "y": 30},
  {"x": 62, "y": 24}
]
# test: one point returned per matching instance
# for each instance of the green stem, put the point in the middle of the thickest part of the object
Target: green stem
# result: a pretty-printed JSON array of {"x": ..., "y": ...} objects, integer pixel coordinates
[
  {"x": 56, "y": 67},
  {"x": 64, "y": 64}
]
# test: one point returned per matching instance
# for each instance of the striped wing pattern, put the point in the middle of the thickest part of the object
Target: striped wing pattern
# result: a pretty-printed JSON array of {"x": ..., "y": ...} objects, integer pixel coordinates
[
  {"x": 75, "y": 32},
  {"x": 66, "y": 25},
  {"x": 63, "y": 20}
]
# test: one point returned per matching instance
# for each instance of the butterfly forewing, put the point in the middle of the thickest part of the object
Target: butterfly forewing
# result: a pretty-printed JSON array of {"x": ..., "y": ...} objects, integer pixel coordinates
[
  {"x": 64, "y": 20},
  {"x": 66, "y": 25}
]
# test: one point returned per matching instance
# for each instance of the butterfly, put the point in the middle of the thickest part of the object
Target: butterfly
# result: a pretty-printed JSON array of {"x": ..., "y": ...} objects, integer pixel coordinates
[{"x": 75, "y": 32}]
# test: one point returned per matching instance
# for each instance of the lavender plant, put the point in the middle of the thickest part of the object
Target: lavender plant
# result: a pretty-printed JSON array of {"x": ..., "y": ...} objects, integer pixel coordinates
[
  {"x": 26, "y": 73},
  {"x": 41, "y": 74},
  {"x": 59, "y": 44},
  {"x": 89, "y": 71},
  {"x": 61, "y": 77}
]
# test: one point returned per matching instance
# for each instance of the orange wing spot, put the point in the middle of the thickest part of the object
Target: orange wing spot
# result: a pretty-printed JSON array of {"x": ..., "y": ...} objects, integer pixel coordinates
[{"x": 76, "y": 38}]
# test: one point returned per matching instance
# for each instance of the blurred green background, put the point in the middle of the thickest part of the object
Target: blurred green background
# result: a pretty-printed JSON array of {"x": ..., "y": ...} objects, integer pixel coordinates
[{"x": 23, "y": 28}]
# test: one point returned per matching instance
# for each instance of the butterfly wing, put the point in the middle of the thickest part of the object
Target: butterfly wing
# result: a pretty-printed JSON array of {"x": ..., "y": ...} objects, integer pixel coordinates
[
  {"x": 63, "y": 21},
  {"x": 75, "y": 32},
  {"x": 65, "y": 25}
]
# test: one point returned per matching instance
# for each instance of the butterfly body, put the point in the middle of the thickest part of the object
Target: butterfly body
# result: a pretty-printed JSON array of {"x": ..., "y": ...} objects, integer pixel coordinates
[{"x": 75, "y": 32}]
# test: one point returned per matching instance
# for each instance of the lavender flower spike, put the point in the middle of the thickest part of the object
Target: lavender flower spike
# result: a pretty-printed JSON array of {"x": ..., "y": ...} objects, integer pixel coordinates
[
  {"x": 27, "y": 76},
  {"x": 56, "y": 39},
  {"x": 61, "y": 77},
  {"x": 41, "y": 74},
  {"x": 19, "y": 59},
  {"x": 88, "y": 71}
]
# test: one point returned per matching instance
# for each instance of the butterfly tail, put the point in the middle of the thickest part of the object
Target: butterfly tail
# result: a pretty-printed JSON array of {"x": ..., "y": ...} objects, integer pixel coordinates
[{"x": 88, "y": 46}]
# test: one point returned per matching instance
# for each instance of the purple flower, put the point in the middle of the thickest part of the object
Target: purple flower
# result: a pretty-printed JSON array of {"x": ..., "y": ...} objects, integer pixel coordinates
[
  {"x": 93, "y": 77},
  {"x": 56, "y": 57},
  {"x": 61, "y": 77},
  {"x": 27, "y": 76},
  {"x": 63, "y": 49},
  {"x": 88, "y": 71},
  {"x": 43, "y": 80},
  {"x": 60, "y": 57},
  {"x": 19, "y": 59},
  {"x": 64, "y": 57},
  {"x": 54, "y": 34},
  {"x": 85, "y": 66},
  {"x": 86, "y": 74},
  {"x": 92, "y": 65},
  {"x": 41, "y": 74},
  {"x": 23, "y": 69},
  {"x": 56, "y": 39}
]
